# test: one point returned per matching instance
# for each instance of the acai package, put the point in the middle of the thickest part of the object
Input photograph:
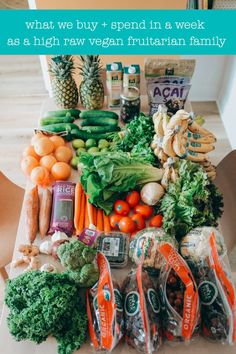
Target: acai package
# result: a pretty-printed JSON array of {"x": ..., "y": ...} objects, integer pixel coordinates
[
  {"x": 62, "y": 217},
  {"x": 115, "y": 246},
  {"x": 205, "y": 252},
  {"x": 168, "y": 82},
  {"x": 131, "y": 77},
  {"x": 114, "y": 83}
]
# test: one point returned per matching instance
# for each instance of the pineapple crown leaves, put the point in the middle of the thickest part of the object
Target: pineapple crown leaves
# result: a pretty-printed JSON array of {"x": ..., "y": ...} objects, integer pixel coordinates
[
  {"x": 90, "y": 67},
  {"x": 62, "y": 67}
]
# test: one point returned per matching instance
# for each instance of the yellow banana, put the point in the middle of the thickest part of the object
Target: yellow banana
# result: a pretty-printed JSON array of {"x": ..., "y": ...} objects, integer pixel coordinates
[
  {"x": 167, "y": 144},
  {"x": 165, "y": 178},
  {"x": 198, "y": 147},
  {"x": 179, "y": 146},
  {"x": 196, "y": 128},
  {"x": 196, "y": 157},
  {"x": 157, "y": 120},
  {"x": 173, "y": 175},
  {"x": 162, "y": 156},
  {"x": 199, "y": 138}
]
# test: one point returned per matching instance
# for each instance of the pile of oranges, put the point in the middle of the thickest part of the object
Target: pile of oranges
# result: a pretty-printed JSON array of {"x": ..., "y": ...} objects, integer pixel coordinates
[{"x": 46, "y": 159}]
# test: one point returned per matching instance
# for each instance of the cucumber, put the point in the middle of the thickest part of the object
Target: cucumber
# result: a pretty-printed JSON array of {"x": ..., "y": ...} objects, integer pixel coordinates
[
  {"x": 80, "y": 134},
  {"x": 97, "y": 122},
  {"x": 59, "y": 127},
  {"x": 100, "y": 129},
  {"x": 95, "y": 113},
  {"x": 63, "y": 112},
  {"x": 55, "y": 120}
]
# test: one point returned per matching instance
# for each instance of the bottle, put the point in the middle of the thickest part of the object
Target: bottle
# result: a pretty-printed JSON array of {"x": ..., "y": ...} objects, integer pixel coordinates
[{"x": 130, "y": 104}]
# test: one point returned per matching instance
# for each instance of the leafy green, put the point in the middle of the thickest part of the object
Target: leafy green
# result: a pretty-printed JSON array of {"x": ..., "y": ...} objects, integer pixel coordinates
[
  {"x": 191, "y": 201},
  {"x": 43, "y": 304},
  {"x": 79, "y": 261},
  {"x": 105, "y": 177},
  {"x": 136, "y": 138}
]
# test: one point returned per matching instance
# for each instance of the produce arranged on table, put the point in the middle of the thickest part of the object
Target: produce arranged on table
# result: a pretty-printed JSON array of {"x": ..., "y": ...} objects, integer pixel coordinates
[{"x": 139, "y": 192}]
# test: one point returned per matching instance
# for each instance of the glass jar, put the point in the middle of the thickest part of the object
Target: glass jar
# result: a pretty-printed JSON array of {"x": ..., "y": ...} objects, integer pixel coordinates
[{"x": 130, "y": 104}]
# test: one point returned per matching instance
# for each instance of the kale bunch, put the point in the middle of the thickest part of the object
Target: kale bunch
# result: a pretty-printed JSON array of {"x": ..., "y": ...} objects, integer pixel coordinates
[
  {"x": 79, "y": 261},
  {"x": 46, "y": 304}
]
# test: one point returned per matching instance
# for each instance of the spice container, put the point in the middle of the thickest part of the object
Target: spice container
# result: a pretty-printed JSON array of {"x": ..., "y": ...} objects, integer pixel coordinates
[
  {"x": 130, "y": 104},
  {"x": 114, "y": 82},
  {"x": 115, "y": 246}
]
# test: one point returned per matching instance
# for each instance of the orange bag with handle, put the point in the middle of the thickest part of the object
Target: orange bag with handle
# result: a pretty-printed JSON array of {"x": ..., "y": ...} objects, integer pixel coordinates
[{"x": 105, "y": 309}]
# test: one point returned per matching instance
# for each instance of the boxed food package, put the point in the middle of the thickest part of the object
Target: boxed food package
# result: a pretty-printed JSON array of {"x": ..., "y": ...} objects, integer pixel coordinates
[{"x": 114, "y": 82}]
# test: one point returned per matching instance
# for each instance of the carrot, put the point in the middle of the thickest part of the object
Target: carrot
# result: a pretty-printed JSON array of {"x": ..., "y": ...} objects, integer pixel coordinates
[
  {"x": 78, "y": 202},
  {"x": 90, "y": 211},
  {"x": 31, "y": 205},
  {"x": 82, "y": 214},
  {"x": 94, "y": 216},
  {"x": 106, "y": 222},
  {"x": 99, "y": 220},
  {"x": 86, "y": 218}
]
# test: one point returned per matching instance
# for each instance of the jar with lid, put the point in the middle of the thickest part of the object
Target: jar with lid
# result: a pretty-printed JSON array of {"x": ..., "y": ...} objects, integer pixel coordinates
[{"x": 130, "y": 104}]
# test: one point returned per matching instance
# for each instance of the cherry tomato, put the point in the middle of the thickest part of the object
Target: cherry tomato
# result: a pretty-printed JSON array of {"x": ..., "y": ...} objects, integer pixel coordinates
[
  {"x": 114, "y": 221},
  {"x": 133, "y": 198},
  {"x": 139, "y": 221},
  {"x": 121, "y": 207},
  {"x": 156, "y": 221},
  {"x": 126, "y": 224},
  {"x": 145, "y": 210}
]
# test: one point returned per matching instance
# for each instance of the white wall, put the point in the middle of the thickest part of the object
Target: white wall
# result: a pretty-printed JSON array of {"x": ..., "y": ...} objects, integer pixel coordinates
[
  {"x": 207, "y": 78},
  {"x": 227, "y": 99}
]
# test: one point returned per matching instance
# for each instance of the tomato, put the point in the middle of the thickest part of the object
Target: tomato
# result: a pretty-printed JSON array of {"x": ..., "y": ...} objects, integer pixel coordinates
[
  {"x": 156, "y": 221},
  {"x": 127, "y": 225},
  {"x": 139, "y": 221},
  {"x": 145, "y": 210},
  {"x": 133, "y": 198},
  {"x": 114, "y": 221},
  {"x": 121, "y": 207}
]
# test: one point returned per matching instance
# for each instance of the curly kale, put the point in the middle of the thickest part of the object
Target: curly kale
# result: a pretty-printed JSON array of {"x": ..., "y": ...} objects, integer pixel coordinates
[
  {"x": 79, "y": 261},
  {"x": 42, "y": 304},
  {"x": 191, "y": 201}
]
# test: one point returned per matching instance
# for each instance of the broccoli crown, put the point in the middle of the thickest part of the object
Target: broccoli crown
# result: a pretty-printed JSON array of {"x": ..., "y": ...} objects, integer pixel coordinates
[
  {"x": 86, "y": 277},
  {"x": 43, "y": 304},
  {"x": 75, "y": 254}
]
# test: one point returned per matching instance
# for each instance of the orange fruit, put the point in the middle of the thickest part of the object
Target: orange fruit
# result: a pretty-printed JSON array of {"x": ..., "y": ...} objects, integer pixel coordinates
[
  {"x": 47, "y": 161},
  {"x": 40, "y": 176},
  {"x": 28, "y": 163},
  {"x": 43, "y": 146},
  {"x": 61, "y": 171},
  {"x": 29, "y": 151},
  {"x": 57, "y": 141},
  {"x": 63, "y": 154},
  {"x": 35, "y": 137}
]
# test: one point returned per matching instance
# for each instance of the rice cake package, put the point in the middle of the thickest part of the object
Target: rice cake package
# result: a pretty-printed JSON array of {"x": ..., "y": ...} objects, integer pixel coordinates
[
  {"x": 62, "y": 216},
  {"x": 105, "y": 309},
  {"x": 168, "y": 82},
  {"x": 207, "y": 259}
]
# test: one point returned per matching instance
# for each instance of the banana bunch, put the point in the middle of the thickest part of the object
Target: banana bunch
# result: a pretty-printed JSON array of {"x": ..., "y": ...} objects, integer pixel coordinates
[
  {"x": 170, "y": 172},
  {"x": 181, "y": 136}
]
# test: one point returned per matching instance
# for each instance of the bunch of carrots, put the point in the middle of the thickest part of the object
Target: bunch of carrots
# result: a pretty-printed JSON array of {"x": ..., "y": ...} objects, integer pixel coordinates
[{"x": 86, "y": 214}]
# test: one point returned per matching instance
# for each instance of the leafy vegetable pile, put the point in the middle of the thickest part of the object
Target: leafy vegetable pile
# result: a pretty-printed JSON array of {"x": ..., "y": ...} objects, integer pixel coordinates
[
  {"x": 79, "y": 261},
  {"x": 191, "y": 201},
  {"x": 106, "y": 176},
  {"x": 136, "y": 138},
  {"x": 43, "y": 304}
]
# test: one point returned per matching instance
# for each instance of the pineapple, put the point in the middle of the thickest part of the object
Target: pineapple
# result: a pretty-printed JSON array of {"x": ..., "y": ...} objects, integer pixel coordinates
[
  {"x": 91, "y": 89},
  {"x": 64, "y": 88}
]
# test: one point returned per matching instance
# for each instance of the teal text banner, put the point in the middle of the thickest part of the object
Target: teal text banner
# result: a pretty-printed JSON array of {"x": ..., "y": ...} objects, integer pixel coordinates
[{"x": 117, "y": 32}]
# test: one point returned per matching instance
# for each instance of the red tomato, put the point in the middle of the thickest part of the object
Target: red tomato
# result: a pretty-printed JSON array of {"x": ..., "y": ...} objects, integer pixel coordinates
[
  {"x": 156, "y": 221},
  {"x": 127, "y": 225},
  {"x": 121, "y": 207},
  {"x": 145, "y": 210},
  {"x": 139, "y": 221},
  {"x": 114, "y": 221},
  {"x": 133, "y": 198}
]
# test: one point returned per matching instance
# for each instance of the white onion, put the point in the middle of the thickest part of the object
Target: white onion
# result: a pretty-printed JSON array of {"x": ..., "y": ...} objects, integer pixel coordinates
[{"x": 151, "y": 193}]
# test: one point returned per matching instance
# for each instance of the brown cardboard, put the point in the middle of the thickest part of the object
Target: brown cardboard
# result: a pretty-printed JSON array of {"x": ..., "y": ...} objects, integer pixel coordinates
[{"x": 226, "y": 182}]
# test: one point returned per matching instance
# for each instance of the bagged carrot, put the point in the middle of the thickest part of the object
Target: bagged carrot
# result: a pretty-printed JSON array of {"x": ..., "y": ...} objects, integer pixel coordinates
[
  {"x": 105, "y": 309},
  {"x": 31, "y": 208}
]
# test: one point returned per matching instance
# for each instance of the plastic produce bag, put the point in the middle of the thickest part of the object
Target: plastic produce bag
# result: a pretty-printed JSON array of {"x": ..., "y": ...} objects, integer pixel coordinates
[
  {"x": 141, "y": 312},
  {"x": 215, "y": 286},
  {"x": 179, "y": 297},
  {"x": 105, "y": 309}
]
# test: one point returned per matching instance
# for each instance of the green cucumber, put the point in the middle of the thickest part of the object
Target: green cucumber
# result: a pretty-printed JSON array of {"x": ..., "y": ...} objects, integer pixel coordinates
[
  {"x": 59, "y": 127},
  {"x": 80, "y": 134},
  {"x": 97, "y": 122},
  {"x": 100, "y": 129},
  {"x": 95, "y": 113},
  {"x": 55, "y": 120},
  {"x": 63, "y": 112}
]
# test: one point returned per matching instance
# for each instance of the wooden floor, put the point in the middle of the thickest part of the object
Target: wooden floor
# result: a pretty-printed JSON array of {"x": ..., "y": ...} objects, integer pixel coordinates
[{"x": 22, "y": 92}]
